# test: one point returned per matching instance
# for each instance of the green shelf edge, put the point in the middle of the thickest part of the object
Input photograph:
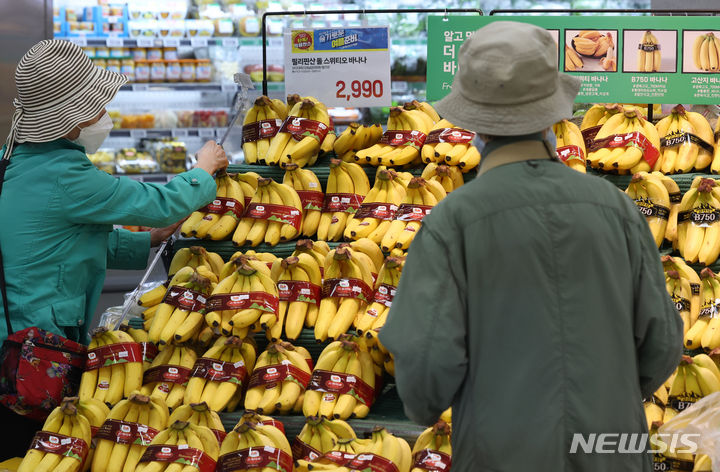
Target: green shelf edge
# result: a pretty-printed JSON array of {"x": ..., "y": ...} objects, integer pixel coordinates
[{"x": 684, "y": 181}]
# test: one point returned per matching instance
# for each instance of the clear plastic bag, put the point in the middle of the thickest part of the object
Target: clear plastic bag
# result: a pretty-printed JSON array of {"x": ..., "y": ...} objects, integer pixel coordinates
[{"x": 701, "y": 419}]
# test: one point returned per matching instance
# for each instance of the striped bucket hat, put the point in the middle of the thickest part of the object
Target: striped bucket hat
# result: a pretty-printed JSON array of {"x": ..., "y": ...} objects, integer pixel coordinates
[{"x": 58, "y": 88}]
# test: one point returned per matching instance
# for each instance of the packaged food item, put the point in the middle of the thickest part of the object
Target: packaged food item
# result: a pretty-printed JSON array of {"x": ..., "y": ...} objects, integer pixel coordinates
[
  {"x": 116, "y": 52},
  {"x": 127, "y": 68},
  {"x": 116, "y": 117},
  {"x": 187, "y": 70},
  {"x": 102, "y": 52},
  {"x": 172, "y": 71},
  {"x": 170, "y": 54},
  {"x": 90, "y": 51},
  {"x": 132, "y": 161},
  {"x": 142, "y": 71},
  {"x": 104, "y": 159},
  {"x": 101, "y": 63},
  {"x": 199, "y": 28},
  {"x": 143, "y": 28},
  {"x": 172, "y": 156},
  {"x": 139, "y": 54},
  {"x": 113, "y": 65},
  {"x": 203, "y": 70},
  {"x": 154, "y": 54},
  {"x": 126, "y": 52},
  {"x": 249, "y": 26},
  {"x": 224, "y": 27},
  {"x": 157, "y": 71}
]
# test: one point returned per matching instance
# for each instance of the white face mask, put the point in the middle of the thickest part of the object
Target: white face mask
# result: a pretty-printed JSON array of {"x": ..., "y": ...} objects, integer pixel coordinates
[{"x": 92, "y": 137}]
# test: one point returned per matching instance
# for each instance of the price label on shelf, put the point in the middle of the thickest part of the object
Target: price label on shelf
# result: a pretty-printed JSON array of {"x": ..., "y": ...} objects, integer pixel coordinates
[
  {"x": 114, "y": 42},
  {"x": 179, "y": 133},
  {"x": 198, "y": 42},
  {"x": 140, "y": 87},
  {"x": 230, "y": 42},
  {"x": 340, "y": 66},
  {"x": 228, "y": 87},
  {"x": 206, "y": 132},
  {"x": 171, "y": 42},
  {"x": 138, "y": 133},
  {"x": 145, "y": 42},
  {"x": 79, "y": 41}
]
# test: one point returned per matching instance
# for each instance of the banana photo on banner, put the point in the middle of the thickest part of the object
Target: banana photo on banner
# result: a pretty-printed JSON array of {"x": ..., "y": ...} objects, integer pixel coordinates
[
  {"x": 650, "y": 51},
  {"x": 701, "y": 51},
  {"x": 590, "y": 51}
]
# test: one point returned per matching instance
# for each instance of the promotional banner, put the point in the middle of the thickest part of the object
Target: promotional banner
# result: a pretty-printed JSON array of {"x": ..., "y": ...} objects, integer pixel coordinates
[
  {"x": 339, "y": 66},
  {"x": 628, "y": 59}
]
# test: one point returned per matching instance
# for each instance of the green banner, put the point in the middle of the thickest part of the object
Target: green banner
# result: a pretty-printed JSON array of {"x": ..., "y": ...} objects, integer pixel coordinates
[{"x": 627, "y": 59}]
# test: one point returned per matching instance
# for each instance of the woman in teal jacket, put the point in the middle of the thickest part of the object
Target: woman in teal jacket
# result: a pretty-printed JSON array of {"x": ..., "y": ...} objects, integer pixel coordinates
[{"x": 58, "y": 210}]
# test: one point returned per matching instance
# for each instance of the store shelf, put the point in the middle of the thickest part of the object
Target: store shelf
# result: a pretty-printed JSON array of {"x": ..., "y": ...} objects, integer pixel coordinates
[
  {"x": 275, "y": 42},
  {"x": 684, "y": 181},
  {"x": 226, "y": 248},
  {"x": 161, "y": 133},
  {"x": 180, "y": 86}
]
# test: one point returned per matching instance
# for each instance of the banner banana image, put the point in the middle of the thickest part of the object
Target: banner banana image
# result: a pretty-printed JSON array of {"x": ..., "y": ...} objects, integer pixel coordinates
[
  {"x": 706, "y": 52},
  {"x": 649, "y": 55}
]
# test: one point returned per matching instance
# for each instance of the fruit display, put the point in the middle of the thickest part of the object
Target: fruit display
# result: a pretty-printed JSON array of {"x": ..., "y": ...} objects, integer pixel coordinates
[
  {"x": 104, "y": 159},
  {"x": 307, "y": 185},
  {"x": 695, "y": 378},
  {"x": 698, "y": 227},
  {"x": 384, "y": 291},
  {"x": 168, "y": 374},
  {"x": 258, "y": 446},
  {"x": 199, "y": 414},
  {"x": 597, "y": 115},
  {"x": 649, "y": 55},
  {"x": 448, "y": 144},
  {"x": 342, "y": 383},
  {"x": 705, "y": 330},
  {"x": 449, "y": 177},
  {"x": 274, "y": 214},
  {"x": 114, "y": 367},
  {"x": 706, "y": 53},
  {"x": 689, "y": 276},
  {"x": 133, "y": 161},
  {"x": 299, "y": 138},
  {"x": 652, "y": 198},
  {"x": 347, "y": 186},
  {"x": 127, "y": 431},
  {"x": 378, "y": 208},
  {"x": 182, "y": 444},
  {"x": 627, "y": 142},
  {"x": 62, "y": 444},
  {"x": 218, "y": 219},
  {"x": 419, "y": 199},
  {"x": 680, "y": 293},
  {"x": 261, "y": 123},
  {"x": 570, "y": 145},
  {"x": 318, "y": 436},
  {"x": 346, "y": 291},
  {"x": 220, "y": 372},
  {"x": 686, "y": 140},
  {"x": 432, "y": 449},
  {"x": 299, "y": 282},
  {"x": 278, "y": 382},
  {"x": 354, "y": 138}
]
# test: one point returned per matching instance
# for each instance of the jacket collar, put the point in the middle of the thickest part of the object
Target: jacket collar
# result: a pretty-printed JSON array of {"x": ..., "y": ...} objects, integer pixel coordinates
[
  {"x": 516, "y": 152},
  {"x": 38, "y": 148}
]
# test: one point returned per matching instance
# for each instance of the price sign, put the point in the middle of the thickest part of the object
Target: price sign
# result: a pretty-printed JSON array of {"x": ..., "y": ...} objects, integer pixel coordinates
[
  {"x": 230, "y": 42},
  {"x": 79, "y": 41},
  {"x": 114, "y": 42},
  {"x": 179, "y": 133},
  {"x": 171, "y": 42},
  {"x": 340, "y": 66},
  {"x": 145, "y": 42},
  {"x": 138, "y": 133},
  {"x": 198, "y": 42}
]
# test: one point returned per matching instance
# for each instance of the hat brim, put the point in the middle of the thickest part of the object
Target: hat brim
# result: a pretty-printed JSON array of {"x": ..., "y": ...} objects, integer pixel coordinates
[
  {"x": 511, "y": 120},
  {"x": 55, "y": 122}
]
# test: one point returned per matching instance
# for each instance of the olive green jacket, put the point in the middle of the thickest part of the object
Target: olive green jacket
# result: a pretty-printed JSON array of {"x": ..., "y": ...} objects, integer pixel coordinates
[
  {"x": 57, "y": 212},
  {"x": 533, "y": 302}
]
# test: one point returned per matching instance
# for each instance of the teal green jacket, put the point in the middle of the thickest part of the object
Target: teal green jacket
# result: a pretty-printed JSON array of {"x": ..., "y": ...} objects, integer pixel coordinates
[
  {"x": 533, "y": 302},
  {"x": 57, "y": 212}
]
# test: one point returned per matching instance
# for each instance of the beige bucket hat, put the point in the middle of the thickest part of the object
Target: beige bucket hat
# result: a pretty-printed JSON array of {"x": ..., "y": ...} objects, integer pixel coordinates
[
  {"x": 58, "y": 87},
  {"x": 507, "y": 82}
]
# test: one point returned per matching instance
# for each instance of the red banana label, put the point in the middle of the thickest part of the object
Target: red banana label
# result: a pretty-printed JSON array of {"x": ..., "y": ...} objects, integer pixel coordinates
[
  {"x": 302, "y": 450},
  {"x": 184, "y": 454},
  {"x": 430, "y": 460},
  {"x": 299, "y": 291},
  {"x": 223, "y": 205},
  {"x": 275, "y": 374},
  {"x": 262, "y": 129},
  {"x": 175, "y": 374},
  {"x": 378, "y": 210},
  {"x": 213, "y": 369},
  {"x": 311, "y": 199},
  {"x": 635, "y": 139},
  {"x": 256, "y": 458},
  {"x": 361, "y": 462},
  {"x": 301, "y": 127},
  {"x": 385, "y": 294},
  {"x": 220, "y": 435},
  {"x": 344, "y": 202},
  {"x": 149, "y": 351},
  {"x": 347, "y": 288},
  {"x": 450, "y": 135},
  {"x": 410, "y": 212},
  {"x": 589, "y": 135},
  {"x": 340, "y": 384},
  {"x": 568, "y": 153},
  {"x": 281, "y": 213},
  {"x": 66, "y": 446},
  {"x": 412, "y": 138},
  {"x": 126, "y": 432},
  {"x": 262, "y": 301},
  {"x": 112, "y": 354},
  {"x": 185, "y": 298}
]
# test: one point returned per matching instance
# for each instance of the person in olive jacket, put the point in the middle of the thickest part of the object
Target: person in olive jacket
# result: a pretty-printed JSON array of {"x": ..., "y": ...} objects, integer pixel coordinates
[{"x": 533, "y": 299}]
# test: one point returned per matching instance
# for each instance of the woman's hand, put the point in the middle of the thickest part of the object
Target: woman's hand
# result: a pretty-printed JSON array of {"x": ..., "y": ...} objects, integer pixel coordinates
[
  {"x": 158, "y": 235},
  {"x": 211, "y": 157}
]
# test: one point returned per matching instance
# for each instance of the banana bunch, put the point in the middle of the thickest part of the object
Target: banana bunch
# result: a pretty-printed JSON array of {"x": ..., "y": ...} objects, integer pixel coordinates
[
  {"x": 261, "y": 261},
  {"x": 261, "y": 123},
  {"x": 246, "y": 299},
  {"x": 715, "y": 166},
  {"x": 698, "y": 233},
  {"x": 168, "y": 375},
  {"x": 346, "y": 291},
  {"x": 95, "y": 411},
  {"x": 307, "y": 186},
  {"x": 273, "y": 215},
  {"x": 680, "y": 293},
  {"x": 179, "y": 317},
  {"x": 570, "y": 145},
  {"x": 706, "y": 52},
  {"x": 655, "y": 407},
  {"x": 573, "y": 61},
  {"x": 626, "y": 143},
  {"x": 248, "y": 183},
  {"x": 380, "y": 355},
  {"x": 114, "y": 368},
  {"x": 649, "y": 53},
  {"x": 377, "y": 210},
  {"x": 254, "y": 417},
  {"x": 127, "y": 431},
  {"x": 385, "y": 285},
  {"x": 299, "y": 281},
  {"x": 279, "y": 379},
  {"x": 696, "y": 378},
  {"x": 401, "y": 143},
  {"x": 199, "y": 414},
  {"x": 217, "y": 220},
  {"x": 449, "y": 177},
  {"x": 686, "y": 140},
  {"x": 598, "y": 115},
  {"x": 703, "y": 463},
  {"x": 319, "y": 436},
  {"x": 140, "y": 336},
  {"x": 342, "y": 383},
  {"x": 653, "y": 200},
  {"x": 419, "y": 199},
  {"x": 448, "y": 144},
  {"x": 354, "y": 138},
  {"x": 432, "y": 448},
  {"x": 180, "y": 444},
  {"x": 301, "y": 135},
  {"x": 675, "y": 196},
  {"x": 346, "y": 188},
  {"x": 255, "y": 446},
  {"x": 687, "y": 274},
  {"x": 592, "y": 43},
  {"x": 220, "y": 373},
  {"x": 705, "y": 330},
  {"x": 364, "y": 454},
  {"x": 63, "y": 443}
]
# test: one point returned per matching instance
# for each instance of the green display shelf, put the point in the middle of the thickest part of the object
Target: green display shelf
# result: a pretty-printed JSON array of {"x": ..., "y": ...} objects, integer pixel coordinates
[
  {"x": 226, "y": 248},
  {"x": 684, "y": 181}
]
